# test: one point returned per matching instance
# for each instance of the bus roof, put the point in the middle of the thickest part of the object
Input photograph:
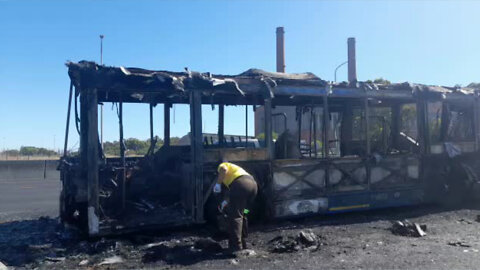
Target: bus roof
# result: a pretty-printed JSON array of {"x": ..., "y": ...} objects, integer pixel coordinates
[{"x": 250, "y": 87}]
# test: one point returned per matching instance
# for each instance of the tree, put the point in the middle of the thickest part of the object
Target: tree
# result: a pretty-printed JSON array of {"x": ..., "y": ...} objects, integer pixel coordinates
[
  {"x": 133, "y": 146},
  {"x": 381, "y": 81},
  {"x": 111, "y": 148},
  {"x": 36, "y": 151},
  {"x": 11, "y": 152},
  {"x": 137, "y": 146},
  {"x": 174, "y": 140}
]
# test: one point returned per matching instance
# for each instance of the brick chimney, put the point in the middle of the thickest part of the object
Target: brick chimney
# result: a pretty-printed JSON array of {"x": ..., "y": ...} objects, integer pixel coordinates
[
  {"x": 280, "y": 50},
  {"x": 352, "y": 62}
]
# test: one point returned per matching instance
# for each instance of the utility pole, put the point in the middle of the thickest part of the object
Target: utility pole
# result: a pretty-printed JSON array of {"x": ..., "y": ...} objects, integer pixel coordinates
[
  {"x": 101, "y": 106},
  {"x": 4, "y": 149}
]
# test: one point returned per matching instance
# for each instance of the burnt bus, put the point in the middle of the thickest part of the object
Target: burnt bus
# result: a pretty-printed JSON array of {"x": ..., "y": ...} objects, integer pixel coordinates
[{"x": 340, "y": 146}]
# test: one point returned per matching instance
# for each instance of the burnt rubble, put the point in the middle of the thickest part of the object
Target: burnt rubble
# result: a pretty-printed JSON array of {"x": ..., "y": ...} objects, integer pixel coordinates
[
  {"x": 183, "y": 252},
  {"x": 407, "y": 228},
  {"x": 291, "y": 243}
]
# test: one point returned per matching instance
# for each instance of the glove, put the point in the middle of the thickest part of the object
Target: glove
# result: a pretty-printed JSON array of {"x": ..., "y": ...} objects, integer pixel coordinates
[
  {"x": 222, "y": 206},
  {"x": 217, "y": 188}
]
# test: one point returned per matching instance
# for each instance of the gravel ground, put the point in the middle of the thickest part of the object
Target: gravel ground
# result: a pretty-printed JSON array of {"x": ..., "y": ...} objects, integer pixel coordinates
[{"x": 361, "y": 240}]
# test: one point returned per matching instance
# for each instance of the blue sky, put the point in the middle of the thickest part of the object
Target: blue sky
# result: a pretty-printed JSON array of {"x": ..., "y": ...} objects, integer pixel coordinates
[{"x": 418, "y": 41}]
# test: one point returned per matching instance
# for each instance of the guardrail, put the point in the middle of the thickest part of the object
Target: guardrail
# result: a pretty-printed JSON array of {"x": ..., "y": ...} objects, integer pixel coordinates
[{"x": 28, "y": 169}]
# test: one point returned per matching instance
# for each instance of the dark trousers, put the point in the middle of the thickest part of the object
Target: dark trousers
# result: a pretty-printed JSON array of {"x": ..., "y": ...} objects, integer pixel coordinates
[{"x": 243, "y": 191}]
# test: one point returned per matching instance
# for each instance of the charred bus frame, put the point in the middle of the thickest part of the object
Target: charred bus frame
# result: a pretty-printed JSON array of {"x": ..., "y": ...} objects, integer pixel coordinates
[{"x": 348, "y": 153}]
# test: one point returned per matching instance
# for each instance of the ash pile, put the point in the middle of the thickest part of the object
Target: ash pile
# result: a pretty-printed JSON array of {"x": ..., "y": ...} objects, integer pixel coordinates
[
  {"x": 409, "y": 229},
  {"x": 185, "y": 251},
  {"x": 304, "y": 240}
]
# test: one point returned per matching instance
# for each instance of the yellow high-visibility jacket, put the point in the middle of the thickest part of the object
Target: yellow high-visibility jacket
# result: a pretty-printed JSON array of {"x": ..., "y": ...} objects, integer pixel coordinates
[{"x": 233, "y": 172}]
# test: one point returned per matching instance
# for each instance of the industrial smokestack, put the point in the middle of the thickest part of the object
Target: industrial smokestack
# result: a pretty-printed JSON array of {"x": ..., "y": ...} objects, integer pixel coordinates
[
  {"x": 280, "y": 50},
  {"x": 352, "y": 62}
]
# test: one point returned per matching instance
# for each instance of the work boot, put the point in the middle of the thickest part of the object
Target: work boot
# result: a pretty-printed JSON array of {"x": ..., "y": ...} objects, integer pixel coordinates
[{"x": 231, "y": 251}]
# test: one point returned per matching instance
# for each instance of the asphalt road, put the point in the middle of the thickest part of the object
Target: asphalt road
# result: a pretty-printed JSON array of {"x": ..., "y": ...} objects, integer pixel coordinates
[
  {"x": 361, "y": 240},
  {"x": 28, "y": 198}
]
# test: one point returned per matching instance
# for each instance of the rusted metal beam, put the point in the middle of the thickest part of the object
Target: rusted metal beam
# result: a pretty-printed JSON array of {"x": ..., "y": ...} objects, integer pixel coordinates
[
  {"x": 92, "y": 160},
  {"x": 310, "y": 125},
  {"x": 422, "y": 128},
  {"x": 326, "y": 122},
  {"x": 326, "y": 135},
  {"x": 476, "y": 126},
  {"x": 68, "y": 119},
  {"x": 166, "y": 124},
  {"x": 83, "y": 131},
  {"x": 196, "y": 139},
  {"x": 221, "y": 125},
  {"x": 396, "y": 123},
  {"x": 151, "y": 123},
  {"x": 246, "y": 126},
  {"x": 367, "y": 140},
  {"x": 299, "y": 111},
  {"x": 315, "y": 134},
  {"x": 284, "y": 116},
  {"x": 367, "y": 125},
  {"x": 122, "y": 152},
  {"x": 268, "y": 128}
]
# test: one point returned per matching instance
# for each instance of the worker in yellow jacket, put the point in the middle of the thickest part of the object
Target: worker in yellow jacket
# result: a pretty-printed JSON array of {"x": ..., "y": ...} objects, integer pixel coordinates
[{"x": 242, "y": 191}]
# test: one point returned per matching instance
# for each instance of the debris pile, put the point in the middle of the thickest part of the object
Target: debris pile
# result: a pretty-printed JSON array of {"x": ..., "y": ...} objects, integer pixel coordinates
[
  {"x": 459, "y": 244},
  {"x": 465, "y": 221},
  {"x": 143, "y": 205},
  {"x": 208, "y": 245},
  {"x": 303, "y": 240},
  {"x": 181, "y": 252},
  {"x": 407, "y": 228}
]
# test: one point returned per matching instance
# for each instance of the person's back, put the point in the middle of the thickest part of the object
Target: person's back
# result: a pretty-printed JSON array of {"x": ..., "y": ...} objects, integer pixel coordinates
[{"x": 232, "y": 172}]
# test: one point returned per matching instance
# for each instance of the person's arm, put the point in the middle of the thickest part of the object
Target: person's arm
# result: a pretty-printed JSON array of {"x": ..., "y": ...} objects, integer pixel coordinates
[{"x": 222, "y": 171}]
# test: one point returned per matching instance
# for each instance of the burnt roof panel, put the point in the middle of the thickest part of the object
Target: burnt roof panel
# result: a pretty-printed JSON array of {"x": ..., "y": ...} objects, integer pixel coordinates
[{"x": 252, "y": 84}]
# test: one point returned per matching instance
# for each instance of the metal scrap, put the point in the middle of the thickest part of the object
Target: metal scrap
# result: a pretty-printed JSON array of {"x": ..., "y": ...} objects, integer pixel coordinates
[
  {"x": 112, "y": 260},
  {"x": 303, "y": 240},
  {"x": 55, "y": 259},
  {"x": 142, "y": 205},
  {"x": 407, "y": 228},
  {"x": 458, "y": 244}
]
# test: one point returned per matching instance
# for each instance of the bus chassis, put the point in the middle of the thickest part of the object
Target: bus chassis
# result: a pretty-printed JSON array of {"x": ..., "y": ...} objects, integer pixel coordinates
[{"x": 340, "y": 147}]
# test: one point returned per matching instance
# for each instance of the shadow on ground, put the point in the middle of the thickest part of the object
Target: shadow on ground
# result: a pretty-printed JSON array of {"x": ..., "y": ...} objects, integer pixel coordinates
[
  {"x": 43, "y": 242},
  {"x": 18, "y": 237},
  {"x": 356, "y": 217}
]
